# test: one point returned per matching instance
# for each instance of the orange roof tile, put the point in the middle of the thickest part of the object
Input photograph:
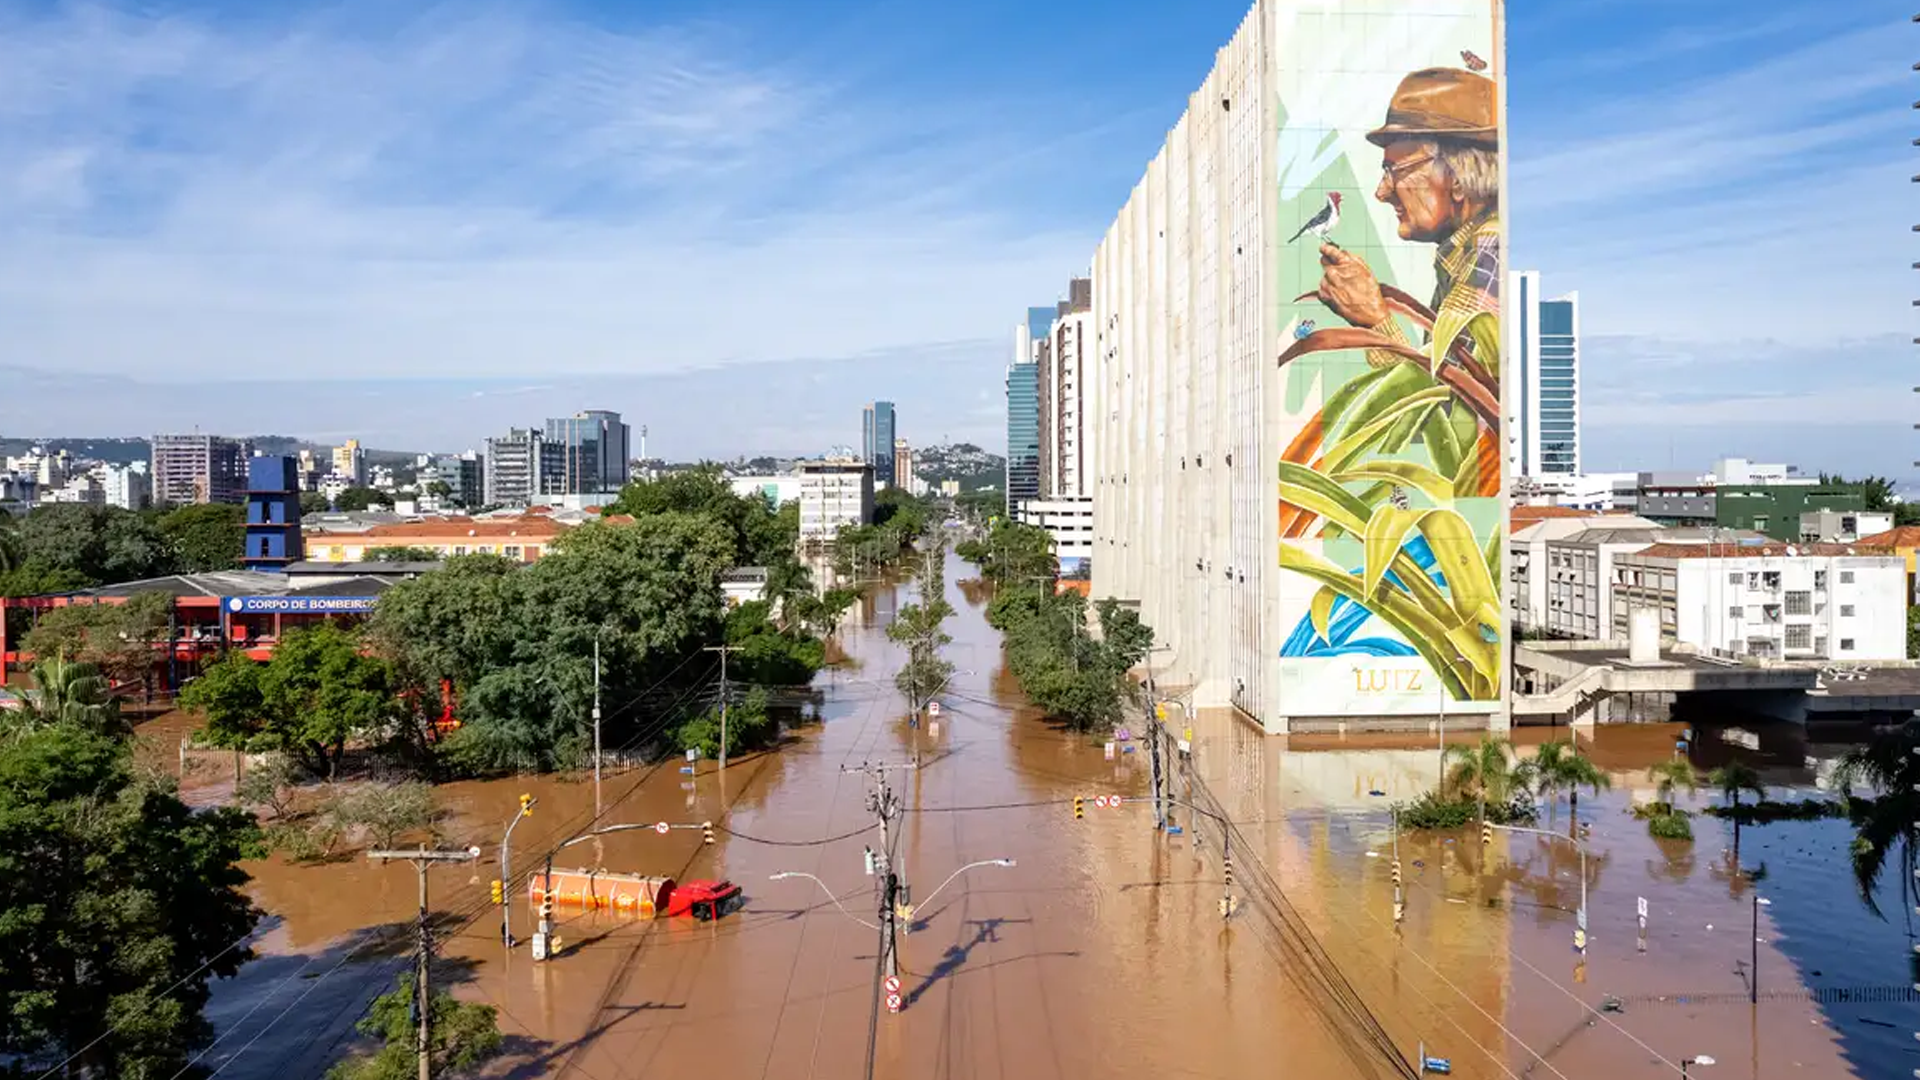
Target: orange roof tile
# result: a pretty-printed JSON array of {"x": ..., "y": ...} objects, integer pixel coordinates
[
  {"x": 1906, "y": 536},
  {"x": 453, "y": 531}
]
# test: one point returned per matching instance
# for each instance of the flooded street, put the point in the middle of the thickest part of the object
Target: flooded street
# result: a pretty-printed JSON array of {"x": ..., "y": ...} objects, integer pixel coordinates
[{"x": 1102, "y": 951}]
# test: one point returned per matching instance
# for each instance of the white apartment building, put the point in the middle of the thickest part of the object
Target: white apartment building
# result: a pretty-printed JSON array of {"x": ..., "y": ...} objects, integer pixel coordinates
[
  {"x": 834, "y": 493},
  {"x": 1070, "y": 523},
  {"x": 1772, "y": 601},
  {"x": 1197, "y": 291},
  {"x": 125, "y": 486},
  {"x": 1062, "y": 393},
  {"x": 1529, "y": 570}
]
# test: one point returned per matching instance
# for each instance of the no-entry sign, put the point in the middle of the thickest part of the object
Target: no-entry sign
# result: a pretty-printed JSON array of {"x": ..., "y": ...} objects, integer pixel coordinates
[
  {"x": 893, "y": 1003},
  {"x": 893, "y": 984},
  {"x": 662, "y": 828}
]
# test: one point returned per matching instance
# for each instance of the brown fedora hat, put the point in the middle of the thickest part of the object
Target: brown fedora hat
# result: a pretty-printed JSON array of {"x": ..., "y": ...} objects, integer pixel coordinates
[{"x": 1442, "y": 102}]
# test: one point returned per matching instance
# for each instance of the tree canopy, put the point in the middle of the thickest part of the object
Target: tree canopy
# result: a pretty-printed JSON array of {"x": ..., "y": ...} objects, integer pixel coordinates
[
  {"x": 319, "y": 692},
  {"x": 204, "y": 538},
  {"x": 362, "y": 498},
  {"x": 129, "y": 905}
]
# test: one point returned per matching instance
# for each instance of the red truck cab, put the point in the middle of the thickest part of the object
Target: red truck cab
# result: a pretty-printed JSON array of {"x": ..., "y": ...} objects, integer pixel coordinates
[{"x": 704, "y": 900}]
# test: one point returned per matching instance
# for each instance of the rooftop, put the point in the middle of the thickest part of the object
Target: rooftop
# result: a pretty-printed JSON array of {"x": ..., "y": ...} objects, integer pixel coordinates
[
  {"x": 1771, "y": 550},
  {"x": 1906, "y": 536},
  {"x": 218, "y": 583}
]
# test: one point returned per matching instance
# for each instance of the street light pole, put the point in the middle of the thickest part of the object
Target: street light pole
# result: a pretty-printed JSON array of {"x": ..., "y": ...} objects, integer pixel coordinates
[
  {"x": 1753, "y": 965},
  {"x": 506, "y": 868},
  {"x": 597, "y": 809},
  {"x": 1580, "y": 932}
]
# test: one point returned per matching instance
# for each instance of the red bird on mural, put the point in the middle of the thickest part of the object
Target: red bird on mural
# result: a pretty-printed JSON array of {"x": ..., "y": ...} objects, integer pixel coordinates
[
  {"x": 1323, "y": 222},
  {"x": 1474, "y": 63}
]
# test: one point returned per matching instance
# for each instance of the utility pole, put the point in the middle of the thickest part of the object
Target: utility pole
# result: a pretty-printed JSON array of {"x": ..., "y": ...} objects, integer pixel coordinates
[
  {"x": 723, "y": 650},
  {"x": 503, "y": 889},
  {"x": 421, "y": 858},
  {"x": 891, "y": 895}
]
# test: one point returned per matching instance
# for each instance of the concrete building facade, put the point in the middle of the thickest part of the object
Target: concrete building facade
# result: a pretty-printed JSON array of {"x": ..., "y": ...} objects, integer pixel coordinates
[
  {"x": 834, "y": 493},
  {"x": 191, "y": 469},
  {"x": 522, "y": 467},
  {"x": 1209, "y": 375},
  {"x": 1824, "y": 602},
  {"x": 350, "y": 463},
  {"x": 1061, "y": 393}
]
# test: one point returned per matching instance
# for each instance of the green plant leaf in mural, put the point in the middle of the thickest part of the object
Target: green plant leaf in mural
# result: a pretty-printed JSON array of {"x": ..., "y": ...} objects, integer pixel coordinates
[
  {"x": 1321, "y": 612},
  {"x": 1425, "y": 633},
  {"x": 1386, "y": 533},
  {"x": 1410, "y": 474},
  {"x": 1342, "y": 454},
  {"x": 1485, "y": 331}
]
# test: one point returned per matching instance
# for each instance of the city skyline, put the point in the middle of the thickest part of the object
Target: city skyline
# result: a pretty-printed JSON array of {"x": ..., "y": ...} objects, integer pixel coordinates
[{"x": 1663, "y": 306}]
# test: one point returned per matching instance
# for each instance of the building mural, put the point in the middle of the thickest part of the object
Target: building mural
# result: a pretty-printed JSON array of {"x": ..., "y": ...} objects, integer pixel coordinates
[{"x": 1391, "y": 494}]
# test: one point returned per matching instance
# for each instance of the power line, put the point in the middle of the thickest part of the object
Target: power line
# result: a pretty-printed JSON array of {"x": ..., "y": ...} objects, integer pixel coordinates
[{"x": 862, "y": 830}]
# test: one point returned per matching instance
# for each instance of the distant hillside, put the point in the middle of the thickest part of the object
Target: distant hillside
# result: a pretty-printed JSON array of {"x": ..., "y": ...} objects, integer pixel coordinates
[{"x": 973, "y": 467}]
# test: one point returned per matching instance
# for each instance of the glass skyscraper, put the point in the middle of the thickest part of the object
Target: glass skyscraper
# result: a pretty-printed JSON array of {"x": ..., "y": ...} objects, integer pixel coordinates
[
  {"x": 877, "y": 433},
  {"x": 596, "y": 450},
  {"x": 1023, "y": 409},
  {"x": 1546, "y": 352}
]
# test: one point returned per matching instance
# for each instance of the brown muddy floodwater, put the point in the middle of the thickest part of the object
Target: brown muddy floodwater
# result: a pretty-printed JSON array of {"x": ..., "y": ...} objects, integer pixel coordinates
[{"x": 1101, "y": 953}]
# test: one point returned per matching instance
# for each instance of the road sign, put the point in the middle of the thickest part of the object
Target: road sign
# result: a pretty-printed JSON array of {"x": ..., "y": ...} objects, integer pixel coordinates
[
  {"x": 893, "y": 1003},
  {"x": 1109, "y": 751},
  {"x": 1159, "y": 712},
  {"x": 933, "y": 708},
  {"x": 893, "y": 984},
  {"x": 662, "y": 828},
  {"x": 1643, "y": 907}
]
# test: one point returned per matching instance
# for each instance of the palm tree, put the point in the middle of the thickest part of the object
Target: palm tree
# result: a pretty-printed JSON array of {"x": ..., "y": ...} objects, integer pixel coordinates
[
  {"x": 76, "y": 693},
  {"x": 1561, "y": 766},
  {"x": 1671, "y": 775},
  {"x": 1732, "y": 779},
  {"x": 1485, "y": 770},
  {"x": 1890, "y": 764}
]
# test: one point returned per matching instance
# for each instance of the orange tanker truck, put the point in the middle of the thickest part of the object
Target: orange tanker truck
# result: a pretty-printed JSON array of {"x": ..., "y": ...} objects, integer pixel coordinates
[{"x": 637, "y": 895}]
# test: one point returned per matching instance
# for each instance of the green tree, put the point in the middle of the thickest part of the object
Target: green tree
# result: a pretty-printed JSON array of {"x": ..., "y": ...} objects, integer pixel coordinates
[
  {"x": 317, "y": 693},
  {"x": 1560, "y": 766},
  {"x": 517, "y": 643},
  {"x": 206, "y": 537},
  {"x": 384, "y": 813},
  {"x": 1731, "y": 779},
  {"x": 1013, "y": 552},
  {"x": 401, "y": 553},
  {"x": 1670, "y": 776},
  {"x": 124, "y": 639},
  {"x": 314, "y": 502},
  {"x": 129, "y": 903},
  {"x": 1130, "y": 640},
  {"x": 93, "y": 544},
  {"x": 1889, "y": 763},
  {"x": 73, "y": 694},
  {"x": 750, "y": 725},
  {"x": 464, "y": 1037},
  {"x": 1906, "y": 513},
  {"x": 362, "y": 498},
  {"x": 1484, "y": 770},
  {"x": 1913, "y": 633}
]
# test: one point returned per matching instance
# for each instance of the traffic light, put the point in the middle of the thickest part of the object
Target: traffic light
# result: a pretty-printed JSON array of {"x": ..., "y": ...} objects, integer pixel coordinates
[
  {"x": 1226, "y": 870},
  {"x": 526, "y": 806},
  {"x": 499, "y": 892},
  {"x": 706, "y": 828},
  {"x": 546, "y": 908},
  {"x": 1396, "y": 873},
  {"x": 1586, "y": 831},
  {"x": 1079, "y": 807},
  {"x": 1486, "y": 832}
]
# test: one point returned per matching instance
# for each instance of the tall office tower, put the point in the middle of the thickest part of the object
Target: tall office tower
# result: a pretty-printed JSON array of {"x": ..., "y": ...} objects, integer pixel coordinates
[
  {"x": 594, "y": 447},
  {"x": 1545, "y": 419},
  {"x": 1023, "y": 409},
  {"x": 878, "y": 430},
  {"x": 521, "y": 467},
  {"x": 1062, "y": 394},
  {"x": 199, "y": 469}
]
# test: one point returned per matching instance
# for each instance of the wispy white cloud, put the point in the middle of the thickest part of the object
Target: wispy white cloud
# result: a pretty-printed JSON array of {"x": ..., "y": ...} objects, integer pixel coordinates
[
  {"x": 478, "y": 191},
  {"x": 1763, "y": 198}
]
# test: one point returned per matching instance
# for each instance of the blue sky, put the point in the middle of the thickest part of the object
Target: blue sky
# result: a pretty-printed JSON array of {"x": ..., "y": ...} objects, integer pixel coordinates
[{"x": 521, "y": 201}]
